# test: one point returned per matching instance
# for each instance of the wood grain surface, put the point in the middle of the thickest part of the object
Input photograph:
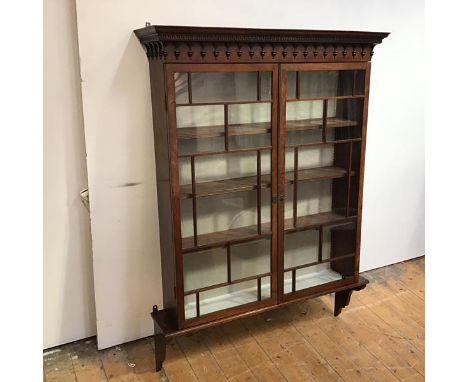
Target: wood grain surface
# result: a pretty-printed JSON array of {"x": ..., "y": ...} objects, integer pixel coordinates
[{"x": 378, "y": 337}]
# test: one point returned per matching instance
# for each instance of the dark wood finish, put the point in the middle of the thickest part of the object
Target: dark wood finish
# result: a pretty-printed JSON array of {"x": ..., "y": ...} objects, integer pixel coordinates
[
  {"x": 171, "y": 331},
  {"x": 325, "y": 98},
  {"x": 162, "y": 145},
  {"x": 342, "y": 300},
  {"x": 223, "y": 45},
  {"x": 259, "y": 289},
  {"x": 259, "y": 86},
  {"x": 259, "y": 193},
  {"x": 160, "y": 340},
  {"x": 224, "y": 186},
  {"x": 222, "y": 103},
  {"x": 340, "y": 186},
  {"x": 237, "y": 281},
  {"x": 175, "y": 198},
  {"x": 320, "y": 244},
  {"x": 314, "y": 174},
  {"x": 298, "y": 85},
  {"x": 224, "y": 152},
  {"x": 316, "y": 220},
  {"x": 194, "y": 199},
  {"x": 296, "y": 165},
  {"x": 281, "y": 136},
  {"x": 343, "y": 297},
  {"x": 228, "y": 261},
  {"x": 221, "y": 238},
  {"x": 231, "y": 355},
  {"x": 193, "y": 50},
  {"x": 325, "y": 123},
  {"x": 350, "y": 158},
  {"x": 361, "y": 169},
  {"x": 320, "y": 261},
  {"x": 226, "y": 130},
  {"x": 275, "y": 293},
  {"x": 189, "y": 87},
  {"x": 249, "y": 233},
  {"x": 258, "y": 128}
]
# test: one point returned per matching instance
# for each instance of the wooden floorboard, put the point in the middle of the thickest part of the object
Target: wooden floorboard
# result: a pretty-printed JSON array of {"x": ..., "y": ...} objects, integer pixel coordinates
[{"x": 378, "y": 337}]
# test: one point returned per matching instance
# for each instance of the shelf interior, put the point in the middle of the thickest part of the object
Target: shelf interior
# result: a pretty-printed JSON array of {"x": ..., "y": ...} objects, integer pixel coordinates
[
  {"x": 223, "y": 237},
  {"x": 308, "y": 280},
  {"x": 224, "y": 298},
  {"x": 213, "y": 239},
  {"x": 259, "y": 128},
  {"x": 315, "y": 220},
  {"x": 249, "y": 183}
]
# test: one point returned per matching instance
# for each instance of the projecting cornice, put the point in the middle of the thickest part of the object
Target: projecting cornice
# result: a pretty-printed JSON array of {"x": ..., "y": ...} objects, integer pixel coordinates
[{"x": 218, "y": 45}]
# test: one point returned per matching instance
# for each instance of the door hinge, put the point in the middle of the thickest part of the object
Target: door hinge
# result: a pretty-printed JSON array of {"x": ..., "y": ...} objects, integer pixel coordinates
[{"x": 277, "y": 199}]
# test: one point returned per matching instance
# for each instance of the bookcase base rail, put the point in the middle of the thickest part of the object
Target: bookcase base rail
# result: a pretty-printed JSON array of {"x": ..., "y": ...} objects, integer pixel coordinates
[{"x": 164, "y": 330}]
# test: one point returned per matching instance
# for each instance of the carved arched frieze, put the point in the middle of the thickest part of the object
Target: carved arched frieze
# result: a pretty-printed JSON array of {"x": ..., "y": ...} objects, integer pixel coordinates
[{"x": 190, "y": 44}]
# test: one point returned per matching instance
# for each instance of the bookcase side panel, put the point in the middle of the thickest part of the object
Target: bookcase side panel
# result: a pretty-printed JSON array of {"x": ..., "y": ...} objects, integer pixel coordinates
[{"x": 163, "y": 177}]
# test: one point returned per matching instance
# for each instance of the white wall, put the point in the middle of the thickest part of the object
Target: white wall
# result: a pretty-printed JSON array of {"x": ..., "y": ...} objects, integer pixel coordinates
[
  {"x": 116, "y": 106},
  {"x": 69, "y": 312}
]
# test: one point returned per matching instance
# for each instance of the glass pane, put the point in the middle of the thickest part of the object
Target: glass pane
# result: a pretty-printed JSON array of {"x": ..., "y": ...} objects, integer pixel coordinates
[
  {"x": 222, "y": 87},
  {"x": 228, "y": 296},
  {"x": 328, "y": 83},
  {"x": 291, "y": 85},
  {"x": 203, "y": 128},
  {"x": 312, "y": 267},
  {"x": 181, "y": 89},
  {"x": 309, "y": 158},
  {"x": 265, "y": 86},
  {"x": 312, "y": 198},
  {"x": 250, "y": 259},
  {"x": 354, "y": 180},
  {"x": 210, "y": 170},
  {"x": 265, "y": 286},
  {"x": 190, "y": 304},
  {"x": 200, "y": 128},
  {"x": 344, "y": 119},
  {"x": 204, "y": 268},
  {"x": 304, "y": 121},
  {"x": 249, "y": 125},
  {"x": 287, "y": 282},
  {"x": 315, "y": 275},
  {"x": 342, "y": 239},
  {"x": 225, "y": 198},
  {"x": 224, "y": 217},
  {"x": 301, "y": 248}
]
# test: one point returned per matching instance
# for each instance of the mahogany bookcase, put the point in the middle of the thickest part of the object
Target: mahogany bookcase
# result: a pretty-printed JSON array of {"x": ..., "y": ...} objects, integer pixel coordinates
[{"x": 260, "y": 140}]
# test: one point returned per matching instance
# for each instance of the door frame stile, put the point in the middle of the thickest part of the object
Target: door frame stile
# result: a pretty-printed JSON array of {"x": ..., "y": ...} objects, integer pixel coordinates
[{"x": 281, "y": 176}]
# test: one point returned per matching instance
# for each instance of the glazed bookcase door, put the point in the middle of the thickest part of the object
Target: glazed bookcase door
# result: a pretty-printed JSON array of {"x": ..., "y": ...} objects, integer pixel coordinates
[
  {"x": 322, "y": 119},
  {"x": 223, "y": 128}
]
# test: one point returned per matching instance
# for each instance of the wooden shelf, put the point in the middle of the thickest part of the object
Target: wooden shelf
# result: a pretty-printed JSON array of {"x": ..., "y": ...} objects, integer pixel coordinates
[
  {"x": 317, "y": 123},
  {"x": 322, "y": 98},
  {"x": 218, "y": 130},
  {"x": 258, "y": 128},
  {"x": 219, "y": 238},
  {"x": 315, "y": 220},
  {"x": 222, "y": 103},
  {"x": 318, "y": 173},
  {"x": 249, "y": 183},
  {"x": 225, "y": 186}
]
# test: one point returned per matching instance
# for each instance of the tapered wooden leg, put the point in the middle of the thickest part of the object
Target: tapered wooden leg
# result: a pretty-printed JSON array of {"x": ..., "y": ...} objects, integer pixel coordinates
[
  {"x": 160, "y": 341},
  {"x": 342, "y": 300}
]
